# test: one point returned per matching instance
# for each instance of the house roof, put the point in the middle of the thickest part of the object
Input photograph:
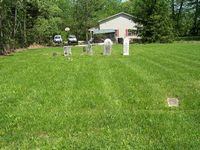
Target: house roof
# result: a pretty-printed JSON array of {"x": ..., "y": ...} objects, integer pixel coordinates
[
  {"x": 116, "y": 15},
  {"x": 103, "y": 31}
]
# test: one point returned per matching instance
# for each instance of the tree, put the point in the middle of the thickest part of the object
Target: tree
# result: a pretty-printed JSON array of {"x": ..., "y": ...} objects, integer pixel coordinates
[
  {"x": 48, "y": 21},
  {"x": 185, "y": 15},
  {"x": 155, "y": 17},
  {"x": 86, "y": 14},
  {"x": 128, "y": 6},
  {"x": 15, "y": 20},
  {"x": 195, "y": 7}
]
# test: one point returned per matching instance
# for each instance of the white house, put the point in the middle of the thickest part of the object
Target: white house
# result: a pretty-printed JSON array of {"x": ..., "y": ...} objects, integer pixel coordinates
[{"x": 120, "y": 25}]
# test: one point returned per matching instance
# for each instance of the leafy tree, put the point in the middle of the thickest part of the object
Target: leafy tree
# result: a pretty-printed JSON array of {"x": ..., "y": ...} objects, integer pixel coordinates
[
  {"x": 128, "y": 6},
  {"x": 48, "y": 22},
  {"x": 15, "y": 20},
  {"x": 194, "y": 6},
  {"x": 155, "y": 18},
  {"x": 86, "y": 14},
  {"x": 185, "y": 16}
]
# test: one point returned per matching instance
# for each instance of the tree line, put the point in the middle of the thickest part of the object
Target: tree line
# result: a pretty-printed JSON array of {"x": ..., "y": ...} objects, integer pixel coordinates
[
  {"x": 165, "y": 20},
  {"x": 23, "y": 22}
]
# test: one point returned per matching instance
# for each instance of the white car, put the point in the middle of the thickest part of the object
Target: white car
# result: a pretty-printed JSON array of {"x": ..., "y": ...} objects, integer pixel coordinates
[
  {"x": 72, "y": 39},
  {"x": 57, "y": 39}
]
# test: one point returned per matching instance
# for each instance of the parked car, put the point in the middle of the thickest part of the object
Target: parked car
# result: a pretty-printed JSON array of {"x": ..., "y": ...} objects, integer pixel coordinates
[
  {"x": 57, "y": 39},
  {"x": 72, "y": 39}
]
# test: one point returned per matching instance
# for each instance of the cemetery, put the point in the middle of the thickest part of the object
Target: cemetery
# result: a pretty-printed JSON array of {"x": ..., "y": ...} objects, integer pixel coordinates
[
  {"x": 99, "y": 74},
  {"x": 100, "y": 96}
]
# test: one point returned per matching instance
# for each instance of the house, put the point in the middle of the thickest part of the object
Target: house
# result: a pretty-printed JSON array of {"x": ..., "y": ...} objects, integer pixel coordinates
[{"x": 116, "y": 27}]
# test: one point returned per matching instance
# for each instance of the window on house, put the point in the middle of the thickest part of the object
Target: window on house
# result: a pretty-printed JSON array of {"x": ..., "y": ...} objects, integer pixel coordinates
[
  {"x": 117, "y": 33},
  {"x": 132, "y": 32}
]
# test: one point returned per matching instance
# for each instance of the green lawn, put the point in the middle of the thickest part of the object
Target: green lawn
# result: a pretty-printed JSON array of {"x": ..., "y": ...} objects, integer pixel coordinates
[{"x": 99, "y": 102}]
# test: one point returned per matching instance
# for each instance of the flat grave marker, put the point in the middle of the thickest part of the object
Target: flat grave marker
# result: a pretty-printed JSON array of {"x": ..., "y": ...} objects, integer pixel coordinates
[{"x": 173, "y": 102}]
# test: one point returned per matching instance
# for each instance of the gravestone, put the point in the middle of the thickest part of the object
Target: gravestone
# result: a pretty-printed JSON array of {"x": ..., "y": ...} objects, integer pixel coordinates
[
  {"x": 173, "y": 102},
  {"x": 126, "y": 47},
  {"x": 107, "y": 47},
  {"x": 67, "y": 51},
  {"x": 89, "y": 48}
]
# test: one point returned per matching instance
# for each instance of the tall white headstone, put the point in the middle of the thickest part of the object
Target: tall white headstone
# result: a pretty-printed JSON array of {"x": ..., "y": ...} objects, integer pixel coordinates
[
  {"x": 126, "y": 47},
  {"x": 67, "y": 51},
  {"x": 107, "y": 47}
]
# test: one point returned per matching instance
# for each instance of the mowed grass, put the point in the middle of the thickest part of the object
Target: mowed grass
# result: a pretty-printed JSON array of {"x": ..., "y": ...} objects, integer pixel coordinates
[{"x": 101, "y": 102}]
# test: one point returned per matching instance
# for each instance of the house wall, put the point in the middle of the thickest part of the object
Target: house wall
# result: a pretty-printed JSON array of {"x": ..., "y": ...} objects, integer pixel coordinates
[{"x": 121, "y": 23}]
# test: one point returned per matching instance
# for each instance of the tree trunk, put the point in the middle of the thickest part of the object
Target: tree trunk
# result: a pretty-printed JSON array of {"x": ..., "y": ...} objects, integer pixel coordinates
[
  {"x": 1, "y": 30},
  {"x": 15, "y": 28},
  {"x": 87, "y": 33},
  {"x": 172, "y": 7},
  {"x": 196, "y": 17},
  {"x": 1, "y": 37},
  {"x": 180, "y": 12},
  {"x": 24, "y": 28}
]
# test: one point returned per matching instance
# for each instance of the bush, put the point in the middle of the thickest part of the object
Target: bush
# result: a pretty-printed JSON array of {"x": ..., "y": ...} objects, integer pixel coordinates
[{"x": 188, "y": 38}]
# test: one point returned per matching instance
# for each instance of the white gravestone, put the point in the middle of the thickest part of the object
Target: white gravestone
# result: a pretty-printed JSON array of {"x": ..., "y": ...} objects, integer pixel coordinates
[
  {"x": 126, "y": 47},
  {"x": 107, "y": 47},
  {"x": 67, "y": 51}
]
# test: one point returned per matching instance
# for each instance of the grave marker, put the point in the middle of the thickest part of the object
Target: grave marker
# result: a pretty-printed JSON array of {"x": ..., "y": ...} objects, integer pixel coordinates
[
  {"x": 89, "y": 50},
  {"x": 107, "y": 47},
  {"x": 126, "y": 47},
  {"x": 173, "y": 102},
  {"x": 67, "y": 51}
]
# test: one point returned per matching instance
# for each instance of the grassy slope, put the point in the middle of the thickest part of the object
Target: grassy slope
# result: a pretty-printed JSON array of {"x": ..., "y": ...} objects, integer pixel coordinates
[{"x": 101, "y": 102}]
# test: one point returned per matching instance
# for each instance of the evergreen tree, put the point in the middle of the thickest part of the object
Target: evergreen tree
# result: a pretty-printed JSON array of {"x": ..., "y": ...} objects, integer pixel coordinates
[{"x": 155, "y": 17}]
